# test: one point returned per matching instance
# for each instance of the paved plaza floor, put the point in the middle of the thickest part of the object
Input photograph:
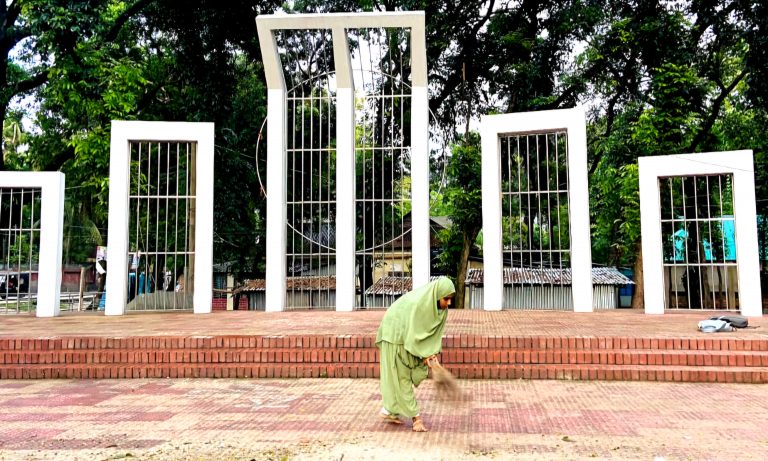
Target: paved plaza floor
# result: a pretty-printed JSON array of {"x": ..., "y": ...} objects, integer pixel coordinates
[
  {"x": 335, "y": 419},
  {"x": 617, "y": 322}
]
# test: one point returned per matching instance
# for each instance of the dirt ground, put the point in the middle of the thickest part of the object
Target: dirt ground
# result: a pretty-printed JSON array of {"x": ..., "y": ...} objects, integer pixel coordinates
[{"x": 363, "y": 449}]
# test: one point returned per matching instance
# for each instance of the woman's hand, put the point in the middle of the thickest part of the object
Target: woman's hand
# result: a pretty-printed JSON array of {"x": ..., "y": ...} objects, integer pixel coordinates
[{"x": 429, "y": 360}]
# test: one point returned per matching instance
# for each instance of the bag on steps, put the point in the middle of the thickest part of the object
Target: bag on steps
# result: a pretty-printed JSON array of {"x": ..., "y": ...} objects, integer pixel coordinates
[
  {"x": 736, "y": 321},
  {"x": 714, "y": 326}
]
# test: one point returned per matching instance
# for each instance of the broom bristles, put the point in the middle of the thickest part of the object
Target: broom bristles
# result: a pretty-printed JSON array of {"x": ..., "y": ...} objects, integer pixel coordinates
[{"x": 445, "y": 383}]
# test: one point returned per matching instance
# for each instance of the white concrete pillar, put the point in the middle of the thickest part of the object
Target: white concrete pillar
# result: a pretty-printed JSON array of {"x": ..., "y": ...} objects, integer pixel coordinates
[{"x": 346, "y": 224}]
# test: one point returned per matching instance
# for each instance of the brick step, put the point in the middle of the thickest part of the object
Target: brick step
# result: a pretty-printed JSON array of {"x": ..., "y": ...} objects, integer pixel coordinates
[
  {"x": 462, "y": 371},
  {"x": 724, "y": 341},
  {"x": 134, "y": 356},
  {"x": 187, "y": 343},
  {"x": 721, "y": 358},
  {"x": 594, "y": 372},
  {"x": 188, "y": 370},
  {"x": 608, "y": 357},
  {"x": 710, "y": 343}
]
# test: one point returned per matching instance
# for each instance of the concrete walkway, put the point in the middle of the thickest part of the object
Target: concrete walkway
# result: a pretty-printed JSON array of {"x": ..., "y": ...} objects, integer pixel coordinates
[{"x": 335, "y": 419}]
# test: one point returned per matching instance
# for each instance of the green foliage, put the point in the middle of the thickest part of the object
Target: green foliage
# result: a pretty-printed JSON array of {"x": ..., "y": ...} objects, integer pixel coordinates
[
  {"x": 463, "y": 192},
  {"x": 22, "y": 252},
  {"x": 661, "y": 78},
  {"x": 615, "y": 213},
  {"x": 15, "y": 141},
  {"x": 462, "y": 199}
]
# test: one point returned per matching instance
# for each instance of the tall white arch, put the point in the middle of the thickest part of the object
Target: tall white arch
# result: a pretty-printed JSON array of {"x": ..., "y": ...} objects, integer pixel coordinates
[
  {"x": 122, "y": 135},
  {"x": 339, "y": 23},
  {"x": 492, "y": 127},
  {"x": 740, "y": 165},
  {"x": 51, "y": 230}
]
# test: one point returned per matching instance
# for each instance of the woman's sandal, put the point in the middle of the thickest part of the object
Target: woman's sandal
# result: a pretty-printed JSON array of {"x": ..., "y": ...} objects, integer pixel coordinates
[
  {"x": 418, "y": 424},
  {"x": 389, "y": 418}
]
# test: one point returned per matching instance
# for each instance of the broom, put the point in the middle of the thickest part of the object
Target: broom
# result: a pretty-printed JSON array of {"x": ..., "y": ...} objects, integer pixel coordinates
[{"x": 445, "y": 383}]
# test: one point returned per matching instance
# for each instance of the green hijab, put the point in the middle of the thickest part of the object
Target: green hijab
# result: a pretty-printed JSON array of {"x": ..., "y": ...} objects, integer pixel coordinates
[{"x": 415, "y": 320}]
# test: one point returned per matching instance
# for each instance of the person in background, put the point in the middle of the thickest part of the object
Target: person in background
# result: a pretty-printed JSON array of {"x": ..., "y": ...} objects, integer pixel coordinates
[{"x": 410, "y": 334}]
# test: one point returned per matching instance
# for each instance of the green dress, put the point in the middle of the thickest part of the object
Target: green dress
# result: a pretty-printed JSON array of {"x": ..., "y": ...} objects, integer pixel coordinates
[{"x": 411, "y": 330}]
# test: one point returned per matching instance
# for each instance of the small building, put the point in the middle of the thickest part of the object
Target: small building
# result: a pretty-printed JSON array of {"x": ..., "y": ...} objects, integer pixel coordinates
[
  {"x": 395, "y": 256},
  {"x": 387, "y": 289},
  {"x": 548, "y": 289},
  {"x": 306, "y": 292}
]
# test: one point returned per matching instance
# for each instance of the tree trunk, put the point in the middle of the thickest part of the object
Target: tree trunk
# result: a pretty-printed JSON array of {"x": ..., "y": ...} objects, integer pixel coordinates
[
  {"x": 461, "y": 276},
  {"x": 364, "y": 276},
  {"x": 3, "y": 113},
  {"x": 638, "y": 298}
]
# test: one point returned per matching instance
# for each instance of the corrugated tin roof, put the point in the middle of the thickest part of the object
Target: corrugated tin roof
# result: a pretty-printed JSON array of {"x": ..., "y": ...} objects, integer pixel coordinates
[
  {"x": 609, "y": 276},
  {"x": 519, "y": 275},
  {"x": 327, "y": 282},
  {"x": 390, "y": 285}
]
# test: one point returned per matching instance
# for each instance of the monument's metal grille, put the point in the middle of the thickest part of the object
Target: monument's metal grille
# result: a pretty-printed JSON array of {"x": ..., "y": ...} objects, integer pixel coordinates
[
  {"x": 699, "y": 242},
  {"x": 161, "y": 231},
  {"x": 381, "y": 65},
  {"x": 19, "y": 248},
  {"x": 311, "y": 165},
  {"x": 382, "y": 105},
  {"x": 535, "y": 218}
]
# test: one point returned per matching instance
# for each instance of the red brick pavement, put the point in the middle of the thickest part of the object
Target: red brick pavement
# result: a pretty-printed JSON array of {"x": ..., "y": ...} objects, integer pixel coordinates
[{"x": 335, "y": 419}]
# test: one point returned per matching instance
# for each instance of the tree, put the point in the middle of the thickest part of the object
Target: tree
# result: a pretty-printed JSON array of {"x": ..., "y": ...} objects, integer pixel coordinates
[
  {"x": 656, "y": 100},
  {"x": 36, "y": 36},
  {"x": 146, "y": 60},
  {"x": 463, "y": 197}
]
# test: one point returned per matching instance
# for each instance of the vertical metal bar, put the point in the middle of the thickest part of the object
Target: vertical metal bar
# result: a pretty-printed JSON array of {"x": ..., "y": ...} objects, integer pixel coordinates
[
  {"x": 540, "y": 248},
  {"x": 711, "y": 262},
  {"x": 166, "y": 252},
  {"x": 292, "y": 171},
  {"x": 176, "y": 254},
  {"x": 145, "y": 247},
  {"x": 391, "y": 198},
  {"x": 686, "y": 259},
  {"x": 380, "y": 202},
  {"x": 10, "y": 244},
  {"x": 19, "y": 245},
  {"x": 405, "y": 99},
  {"x": 33, "y": 218},
  {"x": 152, "y": 267},
  {"x": 303, "y": 179},
  {"x": 136, "y": 201},
  {"x": 519, "y": 161},
  {"x": 559, "y": 191},
  {"x": 6, "y": 247},
  {"x": 529, "y": 233},
  {"x": 673, "y": 283},
  {"x": 323, "y": 241},
  {"x": 367, "y": 151},
  {"x": 511, "y": 197},
  {"x": 189, "y": 268},
  {"x": 700, "y": 266},
  {"x": 722, "y": 232},
  {"x": 548, "y": 193},
  {"x": 311, "y": 147}
]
